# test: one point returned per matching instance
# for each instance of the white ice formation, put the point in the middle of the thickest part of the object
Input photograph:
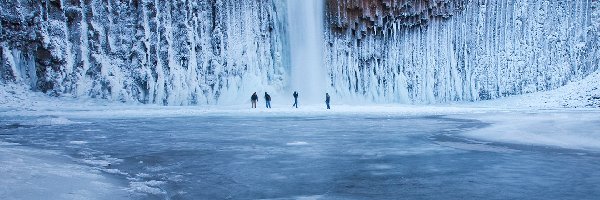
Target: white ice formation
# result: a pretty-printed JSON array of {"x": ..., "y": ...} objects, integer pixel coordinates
[{"x": 219, "y": 51}]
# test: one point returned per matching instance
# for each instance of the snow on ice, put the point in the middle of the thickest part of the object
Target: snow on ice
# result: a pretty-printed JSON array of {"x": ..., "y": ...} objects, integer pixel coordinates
[{"x": 33, "y": 174}]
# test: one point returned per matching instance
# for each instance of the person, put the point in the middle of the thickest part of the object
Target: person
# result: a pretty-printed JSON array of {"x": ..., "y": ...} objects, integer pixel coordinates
[
  {"x": 268, "y": 100},
  {"x": 295, "y": 99},
  {"x": 327, "y": 99},
  {"x": 254, "y": 99}
]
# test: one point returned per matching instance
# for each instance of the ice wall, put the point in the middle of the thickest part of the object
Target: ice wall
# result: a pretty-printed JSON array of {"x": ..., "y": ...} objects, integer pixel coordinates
[
  {"x": 219, "y": 51},
  {"x": 458, "y": 50},
  {"x": 151, "y": 51}
]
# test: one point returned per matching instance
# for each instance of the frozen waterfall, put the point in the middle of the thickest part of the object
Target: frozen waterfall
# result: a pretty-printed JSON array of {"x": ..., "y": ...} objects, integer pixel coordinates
[
  {"x": 220, "y": 51},
  {"x": 149, "y": 51},
  {"x": 458, "y": 50},
  {"x": 306, "y": 47}
]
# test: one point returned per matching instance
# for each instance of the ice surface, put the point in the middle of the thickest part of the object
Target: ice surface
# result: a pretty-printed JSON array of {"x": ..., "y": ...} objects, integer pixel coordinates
[
  {"x": 571, "y": 129},
  {"x": 381, "y": 152},
  {"x": 35, "y": 174}
]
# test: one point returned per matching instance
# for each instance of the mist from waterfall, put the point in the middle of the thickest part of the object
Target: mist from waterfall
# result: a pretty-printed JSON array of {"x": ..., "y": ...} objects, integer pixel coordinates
[{"x": 308, "y": 77}]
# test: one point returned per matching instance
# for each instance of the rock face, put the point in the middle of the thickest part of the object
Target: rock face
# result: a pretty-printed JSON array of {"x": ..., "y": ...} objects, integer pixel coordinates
[
  {"x": 362, "y": 16},
  {"x": 151, "y": 51},
  {"x": 427, "y": 51}
]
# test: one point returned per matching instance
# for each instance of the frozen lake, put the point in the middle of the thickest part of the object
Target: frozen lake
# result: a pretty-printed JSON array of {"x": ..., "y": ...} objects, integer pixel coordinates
[{"x": 345, "y": 156}]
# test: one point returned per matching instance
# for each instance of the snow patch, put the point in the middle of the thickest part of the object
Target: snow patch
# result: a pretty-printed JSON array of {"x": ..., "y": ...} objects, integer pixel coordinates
[
  {"x": 297, "y": 143},
  {"x": 78, "y": 142},
  {"x": 143, "y": 175},
  {"x": 101, "y": 161},
  {"x": 314, "y": 197},
  {"x": 579, "y": 94},
  {"x": 55, "y": 121},
  {"x": 114, "y": 171},
  {"x": 149, "y": 187},
  {"x": 50, "y": 121},
  {"x": 30, "y": 174},
  {"x": 381, "y": 166},
  {"x": 568, "y": 129}
]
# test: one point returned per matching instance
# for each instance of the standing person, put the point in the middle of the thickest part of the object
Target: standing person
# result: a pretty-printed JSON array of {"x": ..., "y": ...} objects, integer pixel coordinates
[
  {"x": 295, "y": 99},
  {"x": 254, "y": 99},
  {"x": 268, "y": 100},
  {"x": 327, "y": 99}
]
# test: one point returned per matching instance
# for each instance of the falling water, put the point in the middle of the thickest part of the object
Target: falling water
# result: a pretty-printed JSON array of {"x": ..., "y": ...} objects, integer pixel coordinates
[{"x": 306, "y": 39}]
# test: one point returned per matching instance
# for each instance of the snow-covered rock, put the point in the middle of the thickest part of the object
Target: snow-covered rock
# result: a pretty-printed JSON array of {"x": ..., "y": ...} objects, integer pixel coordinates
[{"x": 578, "y": 94}]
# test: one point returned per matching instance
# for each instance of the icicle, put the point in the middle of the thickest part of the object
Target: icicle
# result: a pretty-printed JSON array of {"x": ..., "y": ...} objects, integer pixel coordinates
[
  {"x": 83, "y": 84},
  {"x": 8, "y": 56}
]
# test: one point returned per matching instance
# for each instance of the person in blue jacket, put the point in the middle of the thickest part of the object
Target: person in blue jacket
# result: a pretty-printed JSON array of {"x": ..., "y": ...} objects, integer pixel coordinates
[{"x": 268, "y": 100}]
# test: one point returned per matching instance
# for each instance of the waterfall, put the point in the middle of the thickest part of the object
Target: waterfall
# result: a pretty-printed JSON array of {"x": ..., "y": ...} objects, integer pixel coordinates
[{"x": 308, "y": 75}]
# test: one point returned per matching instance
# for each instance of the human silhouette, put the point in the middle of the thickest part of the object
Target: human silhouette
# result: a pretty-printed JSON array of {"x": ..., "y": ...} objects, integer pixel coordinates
[
  {"x": 327, "y": 99},
  {"x": 254, "y": 99},
  {"x": 295, "y": 99},
  {"x": 268, "y": 100}
]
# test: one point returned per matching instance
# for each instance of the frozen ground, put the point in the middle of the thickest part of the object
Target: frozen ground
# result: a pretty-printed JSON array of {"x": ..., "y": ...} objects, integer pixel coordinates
[
  {"x": 572, "y": 129},
  {"x": 27, "y": 173},
  {"x": 528, "y": 147},
  {"x": 382, "y": 154},
  {"x": 580, "y": 94}
]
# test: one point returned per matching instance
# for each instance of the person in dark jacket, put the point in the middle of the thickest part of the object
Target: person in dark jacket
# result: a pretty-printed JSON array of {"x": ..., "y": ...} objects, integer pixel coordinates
[
  {"x": 254, "y": 99},
  {"x": 268, "y": 100},
  {"x": 327, "y": 99},
  {"x": 295, "y": 99}
]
